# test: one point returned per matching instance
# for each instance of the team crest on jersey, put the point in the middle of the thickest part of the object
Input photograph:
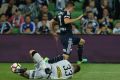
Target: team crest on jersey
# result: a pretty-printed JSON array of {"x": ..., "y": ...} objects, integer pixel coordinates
[{"x": 59, "y": 72}]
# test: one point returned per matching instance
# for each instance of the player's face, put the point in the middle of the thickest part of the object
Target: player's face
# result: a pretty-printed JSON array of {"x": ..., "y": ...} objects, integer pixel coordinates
[{"x": 71, "y": 8}]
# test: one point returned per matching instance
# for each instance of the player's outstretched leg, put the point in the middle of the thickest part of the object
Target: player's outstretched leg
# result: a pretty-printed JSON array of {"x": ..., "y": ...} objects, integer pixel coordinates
[
  {"x": 37, "y": 59},
  {"x": 40, "y": 63},
  {"x": 80, "y": 50},
  {"x": 29, "y": 74},
  {"x": 20, "y": 71},
  {"x": 36, "y": 56},
  {"x": 67, "y": 44}
]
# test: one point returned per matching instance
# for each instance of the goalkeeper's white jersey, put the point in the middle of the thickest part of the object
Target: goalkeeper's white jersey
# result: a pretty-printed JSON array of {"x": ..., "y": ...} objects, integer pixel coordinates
[{"x": 62, "y": 70}]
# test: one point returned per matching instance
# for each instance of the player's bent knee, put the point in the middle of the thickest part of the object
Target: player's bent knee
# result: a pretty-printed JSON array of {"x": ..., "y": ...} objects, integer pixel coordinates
[
  {"x": 32, "y": 52},
  {"x": 82, "y": 42}
]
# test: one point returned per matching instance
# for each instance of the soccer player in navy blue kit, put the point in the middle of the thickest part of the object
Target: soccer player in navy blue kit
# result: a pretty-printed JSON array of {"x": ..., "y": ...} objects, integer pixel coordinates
[{"x": 63, "y": 18}]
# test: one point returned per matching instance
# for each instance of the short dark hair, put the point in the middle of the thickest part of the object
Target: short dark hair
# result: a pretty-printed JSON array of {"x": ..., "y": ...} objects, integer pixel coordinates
[
  {"x": 76, "y": 68},
  {"x": 70, "y": 3}
]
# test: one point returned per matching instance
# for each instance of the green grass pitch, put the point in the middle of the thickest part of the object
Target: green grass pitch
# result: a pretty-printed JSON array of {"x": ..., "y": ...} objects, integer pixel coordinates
[{"x": 88, "y": 72}]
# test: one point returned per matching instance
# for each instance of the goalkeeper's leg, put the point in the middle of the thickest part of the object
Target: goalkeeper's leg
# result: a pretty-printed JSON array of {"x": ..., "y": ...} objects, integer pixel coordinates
[
  {"x": 29, "y": 74},
  {"x": 40, "y": 63},
  {"x": 38, "y": 59},
  {"x": 36, "y": 56},
  {"x": 23, "y": 72}
]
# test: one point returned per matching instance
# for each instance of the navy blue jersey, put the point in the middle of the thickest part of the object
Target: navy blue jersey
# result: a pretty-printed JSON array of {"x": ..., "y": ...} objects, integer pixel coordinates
[
  {"x": 66, "y": 36},
  {"x": 64, "y": 28}
]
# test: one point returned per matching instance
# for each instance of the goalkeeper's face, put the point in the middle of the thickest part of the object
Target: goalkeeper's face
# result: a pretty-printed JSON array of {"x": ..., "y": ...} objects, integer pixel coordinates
[
  {"x": 76, "y": 68},
  {"x": 71, "y": 8}
]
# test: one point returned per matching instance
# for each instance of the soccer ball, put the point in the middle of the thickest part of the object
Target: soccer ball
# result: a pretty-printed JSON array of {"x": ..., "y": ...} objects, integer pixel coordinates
[{"x": 15, "y": 66}]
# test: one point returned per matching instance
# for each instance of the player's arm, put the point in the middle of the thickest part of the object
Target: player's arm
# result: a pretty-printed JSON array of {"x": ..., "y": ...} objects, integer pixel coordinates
[{"x": 68, "y": 20}]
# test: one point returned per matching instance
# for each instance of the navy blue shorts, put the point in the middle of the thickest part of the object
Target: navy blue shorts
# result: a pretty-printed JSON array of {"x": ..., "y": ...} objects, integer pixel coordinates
[{"x": 67, "y": 42}]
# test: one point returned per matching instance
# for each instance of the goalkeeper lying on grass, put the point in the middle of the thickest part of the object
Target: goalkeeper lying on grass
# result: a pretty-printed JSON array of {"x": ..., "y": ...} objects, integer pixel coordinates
[{"x": 56, "y": 68}]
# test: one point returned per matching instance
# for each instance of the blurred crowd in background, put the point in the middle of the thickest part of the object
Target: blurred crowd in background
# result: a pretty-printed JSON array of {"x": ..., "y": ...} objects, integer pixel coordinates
[{"x": 33, "y": 16}]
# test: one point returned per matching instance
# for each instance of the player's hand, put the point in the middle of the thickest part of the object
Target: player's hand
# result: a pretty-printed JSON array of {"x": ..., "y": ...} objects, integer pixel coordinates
[{"x": 81, "y": 16}]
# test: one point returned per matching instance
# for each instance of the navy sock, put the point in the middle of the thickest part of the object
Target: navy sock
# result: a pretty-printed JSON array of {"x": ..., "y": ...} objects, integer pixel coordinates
[{"x": 80, "y": 52}]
